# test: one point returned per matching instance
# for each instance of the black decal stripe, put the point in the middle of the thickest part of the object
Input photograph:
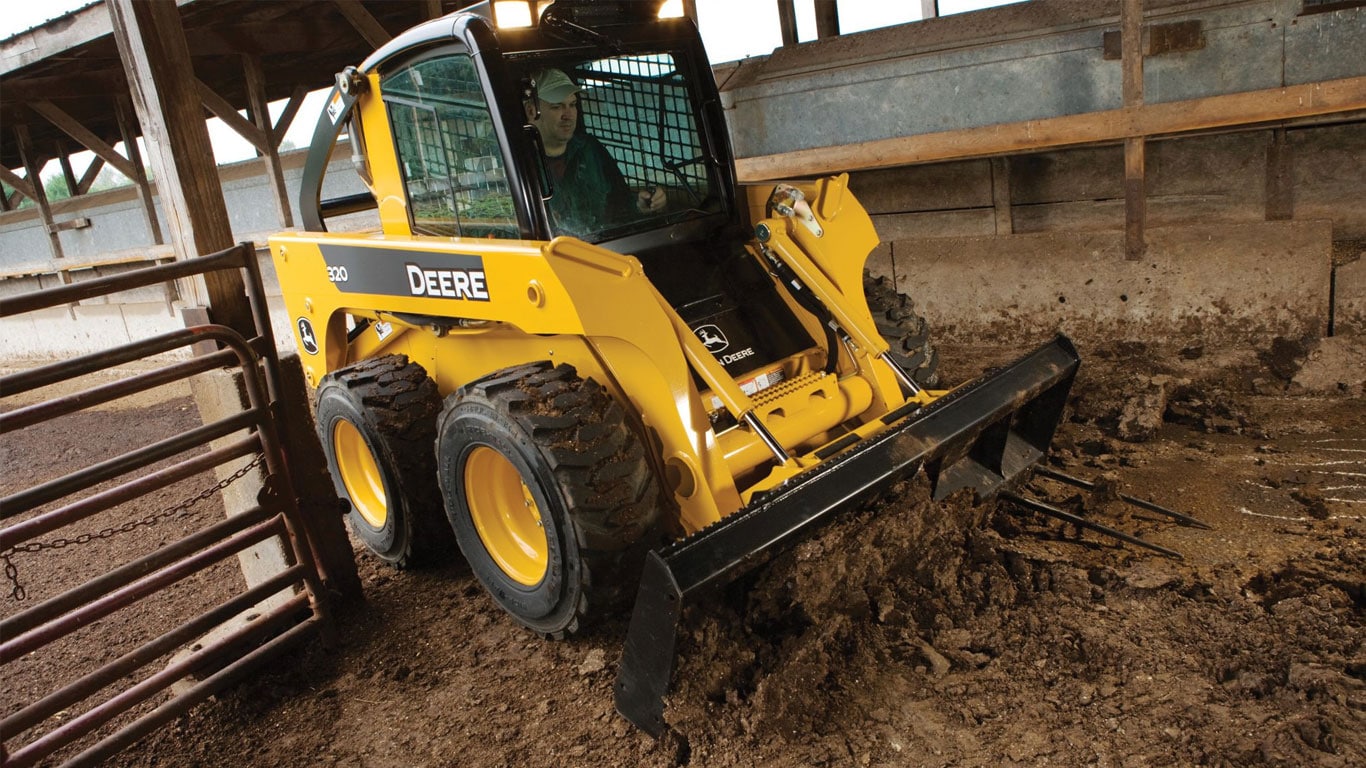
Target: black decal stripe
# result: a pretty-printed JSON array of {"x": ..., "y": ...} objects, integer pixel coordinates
[{"x": 383, "y": 271}]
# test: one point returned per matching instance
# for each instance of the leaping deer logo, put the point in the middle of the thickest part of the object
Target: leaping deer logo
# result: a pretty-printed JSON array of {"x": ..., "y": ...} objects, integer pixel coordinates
[{"x": 712, "y": 338}]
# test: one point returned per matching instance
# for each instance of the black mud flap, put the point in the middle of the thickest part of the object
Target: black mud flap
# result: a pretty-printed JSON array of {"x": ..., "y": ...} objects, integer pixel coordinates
[{"x": 982, "y": 435}]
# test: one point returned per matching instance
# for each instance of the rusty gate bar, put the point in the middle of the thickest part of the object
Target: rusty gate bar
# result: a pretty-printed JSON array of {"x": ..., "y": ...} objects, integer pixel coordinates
[
  {"x": 58, "y": 700},
  {"x": 124, "y": 575},
  {"x": 240, "y": 256},
  {"x": 27, "y": 500},
  {"x": 94, "y": 718},
  {"x": 13, "y": 648},
  {"x": 93, "y": 504},
  {"x": 236, "y": 649},
  {"x": 176, "y": 707},
  {"x": 51, "y": 409}
]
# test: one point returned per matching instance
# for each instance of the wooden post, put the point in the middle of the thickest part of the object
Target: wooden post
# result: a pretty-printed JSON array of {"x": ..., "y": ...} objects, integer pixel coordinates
[
  {"x": 929, "y": 9},
  {"x": 73, "y": 187},
  {"x": 827, "y": 18},
  {"x": 35, "y": 182},
  {"x": 130, "y": 147},
  {"x": 787, "y": 22},
  {"x": 1280, "y": 179},
  {"x": 433, "y": 9},
  {"x": 259, "y": 110},
  {"x": 160, "y": 75},
  {"x": 1000, "y": 195},
  {"x": 1135, "y": 148}
]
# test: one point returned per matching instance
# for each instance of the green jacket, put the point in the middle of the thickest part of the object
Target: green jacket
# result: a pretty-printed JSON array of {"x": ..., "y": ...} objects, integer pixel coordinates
[{"x": 592, "y": 194}]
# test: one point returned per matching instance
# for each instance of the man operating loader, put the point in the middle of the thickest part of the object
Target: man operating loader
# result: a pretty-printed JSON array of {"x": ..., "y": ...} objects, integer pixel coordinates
[{"x": 589, "y": 191}]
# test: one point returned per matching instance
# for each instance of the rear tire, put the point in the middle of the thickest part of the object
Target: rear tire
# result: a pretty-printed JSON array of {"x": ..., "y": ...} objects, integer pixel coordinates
[
  {"x": 904, "y": 330},
  {"x": 377, "y": 421},
  {"x": 550, "y": 494}
]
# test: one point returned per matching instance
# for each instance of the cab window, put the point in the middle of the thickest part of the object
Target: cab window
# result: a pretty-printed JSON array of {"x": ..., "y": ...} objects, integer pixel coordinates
[{"x": 448, "y": 150}]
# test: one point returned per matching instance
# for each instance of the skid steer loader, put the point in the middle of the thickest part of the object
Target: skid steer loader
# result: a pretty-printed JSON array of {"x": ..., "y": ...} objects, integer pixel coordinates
[{"x": 609, "y": 404}]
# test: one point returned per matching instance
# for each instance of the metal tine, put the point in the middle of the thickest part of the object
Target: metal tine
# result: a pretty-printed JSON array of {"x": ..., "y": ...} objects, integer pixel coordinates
[
  {"x": 1051, "y": 511},
  {"x": 1087, "y": 485}
]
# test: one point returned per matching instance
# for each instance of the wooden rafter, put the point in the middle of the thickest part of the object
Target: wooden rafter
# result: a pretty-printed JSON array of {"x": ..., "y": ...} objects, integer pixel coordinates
[
  {"x": 18, "y": 183},
  {"x": 92, "y": 172},
  {"x": 296, "y": 100},
  {"x": 364, "y": 23},
  {"x": 223, "y": 110},
  {"x": 71, "y": 127}
]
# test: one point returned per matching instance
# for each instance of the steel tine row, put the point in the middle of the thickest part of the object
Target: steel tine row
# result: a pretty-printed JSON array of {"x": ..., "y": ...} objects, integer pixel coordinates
[
  {"x": 1052, "y": 511},
  {"x": 1087, "y": 485}
]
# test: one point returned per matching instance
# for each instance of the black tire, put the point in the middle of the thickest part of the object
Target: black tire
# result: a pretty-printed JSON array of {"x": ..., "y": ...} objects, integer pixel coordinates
[
  {"x": 586, "y": 490},
  {"x": 904, "y": 330},
  {"x": 384, "y": 411}
]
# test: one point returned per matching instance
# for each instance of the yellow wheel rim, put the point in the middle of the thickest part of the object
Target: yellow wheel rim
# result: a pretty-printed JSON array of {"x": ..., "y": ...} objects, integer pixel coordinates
[
  {"x": 360, "y": 474},
  {"x": 506, "y": 516}
]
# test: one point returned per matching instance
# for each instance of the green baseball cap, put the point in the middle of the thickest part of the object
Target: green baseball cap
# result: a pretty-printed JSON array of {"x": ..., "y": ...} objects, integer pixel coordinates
[{"x": 554, "y": 86}]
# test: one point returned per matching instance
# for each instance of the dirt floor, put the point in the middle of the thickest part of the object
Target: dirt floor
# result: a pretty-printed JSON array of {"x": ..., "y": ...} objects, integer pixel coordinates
[{"x": 911, "y": 633}]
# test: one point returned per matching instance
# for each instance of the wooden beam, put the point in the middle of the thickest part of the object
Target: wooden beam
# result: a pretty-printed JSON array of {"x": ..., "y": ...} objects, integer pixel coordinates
[
  {"x": 296, "y": 100},
  {"x": 89, "y": 84},
  {"x": 787, "y": 21},
  {"x": 157, "y": 63},
  {"x": 1280, "y": 180},
  {"x": 1167, "y": 118},
  {"x": 69, "y": 176},
  {"x": 370, "y": 29},
  {"x": 39, "y": 195},
  {"x": 123, "y": 113},
  {"x": 92, "y": 172},
  {"x": 224, "y": 110},
  {"x": 18, "y": 183},
  {"x": 1135, "y": 148},
  {"x": 71, "y": 127},
  {"x": 1000, "y": 195},
  {"x": 827, "y": 18},
  {"x": 260, "y": 112}
]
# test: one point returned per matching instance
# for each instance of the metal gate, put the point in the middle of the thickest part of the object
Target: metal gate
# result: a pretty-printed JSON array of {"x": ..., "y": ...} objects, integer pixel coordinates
[{"x": 110, "y": 705}]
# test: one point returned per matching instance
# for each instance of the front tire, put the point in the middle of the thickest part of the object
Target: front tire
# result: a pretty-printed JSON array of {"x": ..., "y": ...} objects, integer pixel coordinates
[
  {"x": 904, "y": 330},
  {"x": 377, "y": 421},
  {"x": 550, "y": 495}
]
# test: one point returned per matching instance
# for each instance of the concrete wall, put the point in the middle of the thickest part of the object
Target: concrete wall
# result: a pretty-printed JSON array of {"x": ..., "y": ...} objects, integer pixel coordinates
[
  {"x": 1028, "y": 61},
  {"x": 1222, "y": 284}
]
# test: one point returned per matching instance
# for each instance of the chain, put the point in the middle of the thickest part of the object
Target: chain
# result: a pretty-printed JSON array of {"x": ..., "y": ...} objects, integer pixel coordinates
[{"x": 12, "y": 571}]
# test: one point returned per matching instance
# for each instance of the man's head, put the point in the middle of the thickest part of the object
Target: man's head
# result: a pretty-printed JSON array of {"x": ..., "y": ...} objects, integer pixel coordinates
[{"x": 559, "y": 108}]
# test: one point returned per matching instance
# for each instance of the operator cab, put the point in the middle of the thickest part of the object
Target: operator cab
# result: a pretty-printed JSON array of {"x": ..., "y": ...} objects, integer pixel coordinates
[{"x": 462, "y": 104}]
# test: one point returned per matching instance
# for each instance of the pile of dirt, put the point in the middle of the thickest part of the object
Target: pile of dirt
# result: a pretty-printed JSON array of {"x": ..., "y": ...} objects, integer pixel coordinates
[{"x": 915, "y": 636}]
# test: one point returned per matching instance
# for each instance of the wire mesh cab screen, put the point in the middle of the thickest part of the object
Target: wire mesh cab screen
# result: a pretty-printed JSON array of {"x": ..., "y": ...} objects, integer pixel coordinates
[
  {"x": 636, "y": 160},
  {"x": 638, "y": 107}
]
